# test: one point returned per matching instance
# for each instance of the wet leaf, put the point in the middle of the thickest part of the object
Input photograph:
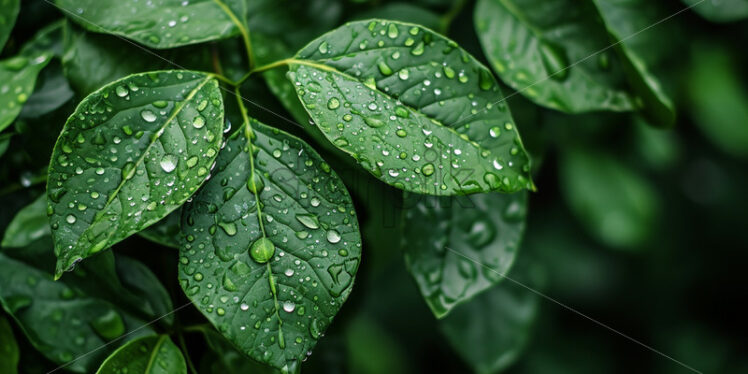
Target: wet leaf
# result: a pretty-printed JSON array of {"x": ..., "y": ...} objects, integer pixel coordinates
[
  {"x": 146, "y": 355},
  {"x": 615, "y": 204},
  {"x": 18, "y": 77},
  {"x": 69, "y": 321},
  {"x": 272, "y": 246},
  {"x": 8, "y": 348},
  {"x": 159, "y": 23},
  {"x": 8, "y": 13},
  {"x": 29, "y": 224},
  {"x": 569, "y": 62},
  {"x": 492, "y": 330},
  {"x": 130, "y": 154},
  {"x": 440, "y": 231},
  {"x": 412, "y": 108},
  {"x": 405, "y": 12}
]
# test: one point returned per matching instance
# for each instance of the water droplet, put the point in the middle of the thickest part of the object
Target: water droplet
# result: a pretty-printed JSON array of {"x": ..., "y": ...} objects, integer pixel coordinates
[
  {"x": 428, "y": 169},
  {"x": 289, "y": 306},
  {"x": 121, "y": 91},
  {"x": 333, "y": 236},
  {"x": 169, "y": 163},
  {"x": 262, "y": 250},
  {"x": 333, "y": 103},
  {"x": 308, "y": 220},
  {"x": 70, "y": 219},
  {"x": 148, "y": 116},
  {"x": 198, "y": 122}
]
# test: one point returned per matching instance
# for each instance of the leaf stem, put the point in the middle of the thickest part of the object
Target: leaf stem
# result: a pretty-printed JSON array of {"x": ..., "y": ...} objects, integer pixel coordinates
[
  {"x": 19, "y": 186},
  {"x": 242, "y": 29},
  {"x": 286, "y": 61},
  {"x": 187, "y": 358}
]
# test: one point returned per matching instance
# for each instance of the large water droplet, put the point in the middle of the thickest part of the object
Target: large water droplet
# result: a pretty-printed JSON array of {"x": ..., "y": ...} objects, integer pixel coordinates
[
  {"x": 333, "y": 236},
  {"x": 148, "y": 116},
  {"x": 169, "y": 162},
  {"x": 262, "y": 250}
]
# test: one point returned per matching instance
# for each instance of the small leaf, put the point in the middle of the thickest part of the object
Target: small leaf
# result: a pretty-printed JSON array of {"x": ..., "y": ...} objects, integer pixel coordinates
[
  {"x": 70, "y": 321},
  {"x": 720, "y": 11},
  {"x": 28, "y": 225},
  {"x": 272, "y": 246},
  {"x": 412, "y": 108},
  {"x": 132, "y": 152},
  {"x": 166, "y": 231},
  {"x": 159, "y": 23},
  {"x": 614, "y": 203},
  {"x": 8, "y": 348},
  {"x": 491, "y": 331},
  {"x": 18, "y": 77},
  {"x": 568, "y": 62},
  {"x": 8, "y": 12},
  {"x": 147, "y": 355},
  {"x": 484, "y": 227}
]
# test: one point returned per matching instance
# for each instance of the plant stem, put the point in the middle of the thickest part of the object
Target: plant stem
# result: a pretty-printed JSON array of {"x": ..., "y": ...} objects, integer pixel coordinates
[
  {"x": 183, "y": 344},
  {"x": 242, "y": 29}
]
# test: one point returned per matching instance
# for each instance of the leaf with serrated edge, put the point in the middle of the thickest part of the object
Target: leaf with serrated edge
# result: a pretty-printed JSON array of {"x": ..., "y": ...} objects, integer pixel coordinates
[
  {"x": 157, "y": 23},
  {"x": 147, "y": 355},
  {"x": 484, "y": 227},
  {"x": 270, "y": 279},
  {"x": 29, "y": 224},
  {"x": 131, "y": 153},
  {"x": 412, "y": 107}
]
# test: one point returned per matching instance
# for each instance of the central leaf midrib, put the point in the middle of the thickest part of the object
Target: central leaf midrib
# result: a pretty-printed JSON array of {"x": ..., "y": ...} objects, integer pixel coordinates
[
  {"x": 154, "y": 353},
  {"x": 140, "y": 160}
]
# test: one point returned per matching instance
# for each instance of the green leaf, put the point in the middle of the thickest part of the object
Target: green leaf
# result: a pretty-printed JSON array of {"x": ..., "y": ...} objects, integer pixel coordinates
[
  {"x": 718, "y": 102},
  {"x": 4, "y": 143},
  {"x": 52, "y": 92},
  {"x": 70, "y": 321},
  {"x": 226, "y": 359},
  {"x": 564, "y": 63},
  {"x": 28, "y": 225},
  {"x": 405, "y": 12},
  {"x": 720, "y": 11},
  {"x": 440, "y": 231},
  {"x": 491, "y": 331},
  {"x": 147, "y": 355},
  {"x": 625, "y": 20},
  {"x": 272, "y": 246},
  {"x": 412, "y": 108},
  {"x": 293, "y": 22},
  {"x": 159, "y": 23},
  {"x": 8, "y": 348},
  {"x": 18, "y": 77},
  {"x": 8, "y": 12},
  {"x": 130, "y": 154},
  {"x": 614, "y": 203},
  {"x": 166, "y": 231}
]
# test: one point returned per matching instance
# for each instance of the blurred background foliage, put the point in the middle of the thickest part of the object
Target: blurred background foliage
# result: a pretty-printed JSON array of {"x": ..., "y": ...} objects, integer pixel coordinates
[{"x": 636, "y": 227}]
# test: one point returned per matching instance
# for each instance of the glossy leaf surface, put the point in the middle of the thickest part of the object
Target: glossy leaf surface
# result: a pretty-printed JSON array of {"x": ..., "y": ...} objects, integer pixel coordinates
[
  {"x": 8, "y": 13},
  {"x": 158, "y": 23},
  {"x": 17, "y": 78},
  {"x": 412, "y": 108},
  {"x": 439, "y": 232},
  {"x": 131, "y": 153},
  {"x": 272, "y": 246},
  {"x": 29, "y": 224},
  {"x": 146, "y": 355}
]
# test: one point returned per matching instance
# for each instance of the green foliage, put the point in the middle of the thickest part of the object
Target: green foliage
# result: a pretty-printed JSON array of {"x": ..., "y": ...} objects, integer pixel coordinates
[
  {"x": 146, "y": 355},
  {"x": 212, "y": 144}
]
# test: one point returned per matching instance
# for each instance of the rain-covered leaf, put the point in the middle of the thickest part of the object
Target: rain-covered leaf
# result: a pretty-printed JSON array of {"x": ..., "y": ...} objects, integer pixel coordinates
[
  {"x": 440, "y": 231},
  {"x": 132, "y": 152},
  {"x": 719, "y": 102},
  {"x": 412, "y": 108},
  {"x": 17, "y": 79},
  {"x": 559, "y": 54},
  {"x": 405, "y": 12},
  {"x": 29, "y": 224},
  {"x": 491, "y": 331},
  {"x": 8, "y": 348},
  {"x": 613, "y": 202},
  {"x": 272, "y": 246},
  {"x": 720, "y": 11},
  {"x": 157, "y": 23},
  {"x": 8, "y": 13},
  {"x": 146, "y": 355},
  {"x": 166, "y": 231},
  {"x": 69, "y": 321}
]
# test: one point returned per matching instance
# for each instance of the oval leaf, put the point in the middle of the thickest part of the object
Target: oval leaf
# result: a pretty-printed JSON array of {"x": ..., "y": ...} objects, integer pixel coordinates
[
  {"x": 29, "y": 224},
  {"x": 74, "y": 322},
  {"x": 132, "y": 152},
  {"x": 483, "y": 227},
  {"x": 157, "y": 23},
  {"x": 18, "y": 76},
  {"x": 272, "y": 246},
  {"x": 614, "y": 203},
  {"x": 147, "y": 355},
  {"x": 412, "y": 108}
]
